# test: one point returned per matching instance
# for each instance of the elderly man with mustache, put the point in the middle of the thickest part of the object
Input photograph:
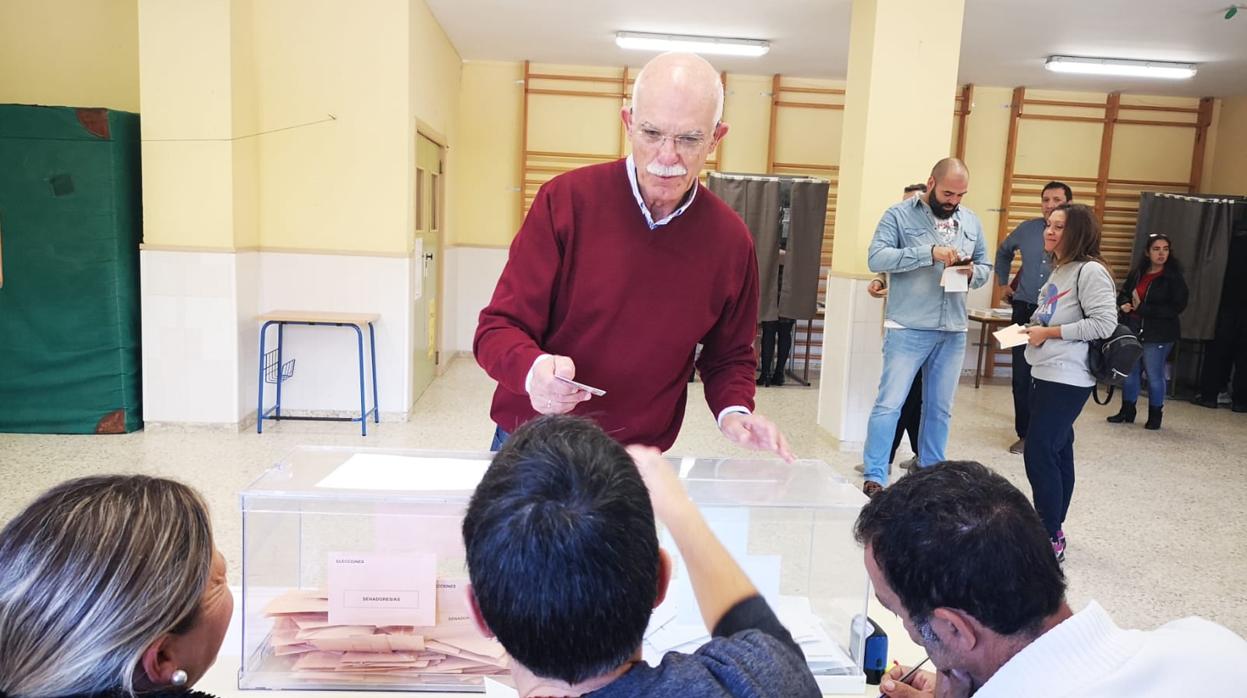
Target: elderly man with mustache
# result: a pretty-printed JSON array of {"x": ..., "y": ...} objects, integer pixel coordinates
[{"x": 620, "y": 270}]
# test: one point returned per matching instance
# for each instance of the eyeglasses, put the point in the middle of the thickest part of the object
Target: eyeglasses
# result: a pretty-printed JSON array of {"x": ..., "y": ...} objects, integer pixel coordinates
[{"x": 686, "y": 144}]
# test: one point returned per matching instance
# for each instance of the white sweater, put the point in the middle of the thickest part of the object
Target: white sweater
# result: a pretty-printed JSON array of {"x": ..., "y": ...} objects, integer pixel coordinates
[{"x": 1090, "y": 657}]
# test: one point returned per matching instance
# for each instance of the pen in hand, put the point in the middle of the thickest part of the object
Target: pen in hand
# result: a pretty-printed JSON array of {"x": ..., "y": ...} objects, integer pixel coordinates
[{"x": 910, "y": 674}]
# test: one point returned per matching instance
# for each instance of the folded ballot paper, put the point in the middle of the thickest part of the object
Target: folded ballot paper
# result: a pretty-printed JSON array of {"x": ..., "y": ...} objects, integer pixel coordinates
[
  {"x": 1011, "y": 336},
  {"x": 321, "y": 649}
]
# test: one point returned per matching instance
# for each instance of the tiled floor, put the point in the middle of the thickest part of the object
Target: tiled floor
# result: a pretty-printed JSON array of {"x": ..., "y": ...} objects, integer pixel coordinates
[{"x": 1158, "y": 527}]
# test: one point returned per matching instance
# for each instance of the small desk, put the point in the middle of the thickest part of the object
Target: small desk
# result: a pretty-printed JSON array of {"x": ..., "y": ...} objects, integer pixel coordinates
[
  {"x": 274, "y": 370},
  {"x": 988, "y": 323}
]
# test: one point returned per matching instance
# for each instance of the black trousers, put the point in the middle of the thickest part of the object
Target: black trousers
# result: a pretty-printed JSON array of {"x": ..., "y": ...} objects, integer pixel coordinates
[
  {"x": 774, "y": 331},
  {"x": 1227, "y": 350},
  {"x": 1049, "y": 453},
  {"x": 911, "y": 417},
  {"x": 1021, "y": 370}
]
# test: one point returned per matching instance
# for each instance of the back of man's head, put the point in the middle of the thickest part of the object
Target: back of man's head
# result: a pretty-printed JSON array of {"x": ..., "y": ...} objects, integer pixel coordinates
[
  {"x": 958, "y": 535},
  {"x": 562, "y": 549}
]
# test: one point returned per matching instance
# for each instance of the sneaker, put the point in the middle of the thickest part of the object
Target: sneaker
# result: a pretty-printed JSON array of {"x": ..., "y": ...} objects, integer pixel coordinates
[
  {"x": 1058, "y": 549},
  {"x": 910, "y": 465},
  {"x": 861, "y": 468},
  {"x": 1060, "y": 535},
  {"x": 1018, "y": 447},
  {"x": 871, "y": 488}
]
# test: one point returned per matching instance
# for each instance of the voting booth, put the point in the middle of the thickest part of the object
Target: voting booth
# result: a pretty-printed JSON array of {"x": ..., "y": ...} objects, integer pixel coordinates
[{"x": 354, "y": 570}]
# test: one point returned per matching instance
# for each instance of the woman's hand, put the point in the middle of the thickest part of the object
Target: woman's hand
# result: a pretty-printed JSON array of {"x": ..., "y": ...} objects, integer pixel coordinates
[
  {"x": 1036, "y": 335},
  {"x": 1127, "y": 308}
]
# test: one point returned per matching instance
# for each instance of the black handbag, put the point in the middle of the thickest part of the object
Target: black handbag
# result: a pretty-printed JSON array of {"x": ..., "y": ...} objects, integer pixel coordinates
[{"x": 1111, "y": 360}]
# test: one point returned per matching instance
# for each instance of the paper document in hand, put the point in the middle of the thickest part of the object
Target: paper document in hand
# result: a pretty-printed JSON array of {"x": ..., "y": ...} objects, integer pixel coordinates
[
  {"x": 1010, "y": 336},
  {"x": 954, "y": 281}
]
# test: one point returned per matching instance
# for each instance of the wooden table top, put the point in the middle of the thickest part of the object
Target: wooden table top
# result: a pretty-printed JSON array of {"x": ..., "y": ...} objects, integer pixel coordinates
[{"x": 358, "y": 319}]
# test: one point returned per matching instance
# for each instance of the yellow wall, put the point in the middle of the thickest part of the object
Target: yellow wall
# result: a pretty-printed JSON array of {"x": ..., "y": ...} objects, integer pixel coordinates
[
  {"x": 486, "y": 170},
  {"x": 1229, "y": 168},
  {"x": 747, "y": 111},
  {"x": 70, "y": 53},
  {"x": 807, "y": 136},
  {"x": 339, "y": 184},
  {"x": 436, "y": 77},
  {"x": 987, "y": 133},
  {"x": 187, "y": 122}
]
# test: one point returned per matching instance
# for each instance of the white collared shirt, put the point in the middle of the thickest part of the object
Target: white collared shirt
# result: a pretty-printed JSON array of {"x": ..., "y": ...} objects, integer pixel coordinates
[{"x": 636, "y": 192}]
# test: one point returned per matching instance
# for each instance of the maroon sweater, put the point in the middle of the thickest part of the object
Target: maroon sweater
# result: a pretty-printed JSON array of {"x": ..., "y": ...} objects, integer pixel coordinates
[{"x": 586, "y": 278}]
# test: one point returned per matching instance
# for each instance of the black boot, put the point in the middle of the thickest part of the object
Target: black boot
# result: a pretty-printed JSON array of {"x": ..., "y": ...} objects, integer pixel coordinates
[
  {"x": 1153, "y": 417},
  {"x": 1125, "y": 415}
]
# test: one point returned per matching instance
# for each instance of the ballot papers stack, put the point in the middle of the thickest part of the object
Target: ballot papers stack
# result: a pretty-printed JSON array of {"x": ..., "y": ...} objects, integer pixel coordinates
[{"x": 309, "y": 648}]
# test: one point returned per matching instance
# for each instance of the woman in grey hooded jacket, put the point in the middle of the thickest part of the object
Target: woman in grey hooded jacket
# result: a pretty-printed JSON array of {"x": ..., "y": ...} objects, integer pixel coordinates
[{"x": 1076, "y": 305}]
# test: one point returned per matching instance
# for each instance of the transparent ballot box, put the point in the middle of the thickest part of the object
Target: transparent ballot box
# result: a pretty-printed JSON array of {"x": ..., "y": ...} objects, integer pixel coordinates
[{"x": 354, "y": 572}]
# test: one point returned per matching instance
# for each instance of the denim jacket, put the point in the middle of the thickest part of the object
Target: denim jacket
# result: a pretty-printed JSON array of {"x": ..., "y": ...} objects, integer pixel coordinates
[{"x": 902, "y": 247}]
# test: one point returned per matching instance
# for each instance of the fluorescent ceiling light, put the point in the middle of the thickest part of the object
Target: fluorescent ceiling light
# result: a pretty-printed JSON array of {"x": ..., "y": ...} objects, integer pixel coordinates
[
  {"x": 692, "y": 44},
  {"x": 1120, "y": 66}
]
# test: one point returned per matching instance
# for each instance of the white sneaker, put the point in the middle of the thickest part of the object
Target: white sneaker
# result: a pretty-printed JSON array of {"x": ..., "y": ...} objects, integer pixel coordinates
[{"x": 910, "y": 465}]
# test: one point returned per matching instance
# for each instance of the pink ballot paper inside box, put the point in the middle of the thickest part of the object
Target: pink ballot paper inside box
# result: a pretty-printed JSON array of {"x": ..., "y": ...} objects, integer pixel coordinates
[{"x": 319, "y": 649}]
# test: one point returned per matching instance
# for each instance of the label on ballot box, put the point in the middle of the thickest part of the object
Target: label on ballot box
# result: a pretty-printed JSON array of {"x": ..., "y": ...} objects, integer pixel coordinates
[{"x": 382, "y": 589}]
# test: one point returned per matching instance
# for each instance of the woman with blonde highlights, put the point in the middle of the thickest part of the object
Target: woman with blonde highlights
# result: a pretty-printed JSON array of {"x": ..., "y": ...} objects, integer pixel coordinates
[{"x": 110, "y": 586}]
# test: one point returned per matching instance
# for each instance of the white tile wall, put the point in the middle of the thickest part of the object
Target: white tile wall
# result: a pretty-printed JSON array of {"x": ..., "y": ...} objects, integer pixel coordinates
[
  {"x": 326, "y": 374},
  {"x": 852, "y": 361},
  {"x": 471, "y": 274},
  {"x": 190, "y": 366},
  {"x": 247, "y": 275},
  {"x": 201, "y": 336}
]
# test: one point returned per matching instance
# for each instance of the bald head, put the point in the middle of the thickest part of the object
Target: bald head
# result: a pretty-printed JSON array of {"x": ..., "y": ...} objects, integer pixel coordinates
[
  {"x": 948, "y": 183},
  {"x": 683, "y": 73},
  {"x": 949, "y": 167}
]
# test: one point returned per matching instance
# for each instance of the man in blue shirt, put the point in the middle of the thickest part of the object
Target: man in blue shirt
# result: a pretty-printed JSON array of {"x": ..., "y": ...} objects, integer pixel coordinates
[
  {"x": 1024, "y": 292},
  {"x": 915, "y": 242}
]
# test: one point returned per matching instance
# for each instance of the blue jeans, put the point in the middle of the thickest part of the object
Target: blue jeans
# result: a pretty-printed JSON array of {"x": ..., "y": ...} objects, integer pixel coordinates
[
  {"x": 500, "y": 437},
  {"x": 939, "y": 355},
  {"x": 1049, "y": 453},
  {"x": 1153, "y": 364}
]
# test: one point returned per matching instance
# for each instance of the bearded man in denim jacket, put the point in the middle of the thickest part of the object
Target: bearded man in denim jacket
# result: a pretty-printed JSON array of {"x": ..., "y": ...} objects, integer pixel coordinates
[{"x": 925, "y": 328}]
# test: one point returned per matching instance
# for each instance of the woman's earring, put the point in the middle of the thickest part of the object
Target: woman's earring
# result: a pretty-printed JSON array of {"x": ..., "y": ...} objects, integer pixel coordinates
[{"x": 178, "y": 678}]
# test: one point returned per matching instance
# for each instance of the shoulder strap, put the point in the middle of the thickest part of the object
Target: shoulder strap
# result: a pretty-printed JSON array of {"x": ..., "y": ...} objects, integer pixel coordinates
[{"x": 1077, "y": 280}]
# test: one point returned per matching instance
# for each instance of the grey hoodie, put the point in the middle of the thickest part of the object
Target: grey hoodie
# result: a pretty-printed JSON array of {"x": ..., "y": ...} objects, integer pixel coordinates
[{"x": 1085, "y": 307}]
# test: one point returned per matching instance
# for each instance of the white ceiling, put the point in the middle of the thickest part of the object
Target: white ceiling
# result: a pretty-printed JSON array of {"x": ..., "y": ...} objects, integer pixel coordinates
[{"x": 1004, "y": 42}]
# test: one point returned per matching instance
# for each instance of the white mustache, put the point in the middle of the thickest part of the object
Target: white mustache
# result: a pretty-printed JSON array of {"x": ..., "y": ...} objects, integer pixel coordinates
[{"x": 676, "y": 170}]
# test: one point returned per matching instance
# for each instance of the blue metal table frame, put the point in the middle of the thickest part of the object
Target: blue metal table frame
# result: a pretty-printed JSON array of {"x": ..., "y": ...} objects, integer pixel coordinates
[{"x": 277, "y": 367}]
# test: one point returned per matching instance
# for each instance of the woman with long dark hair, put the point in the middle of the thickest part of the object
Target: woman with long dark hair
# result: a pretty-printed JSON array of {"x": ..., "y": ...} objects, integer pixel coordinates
[
  {"x": 1152, "y": 297},
  {"x": 1075, "y": 307}
]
